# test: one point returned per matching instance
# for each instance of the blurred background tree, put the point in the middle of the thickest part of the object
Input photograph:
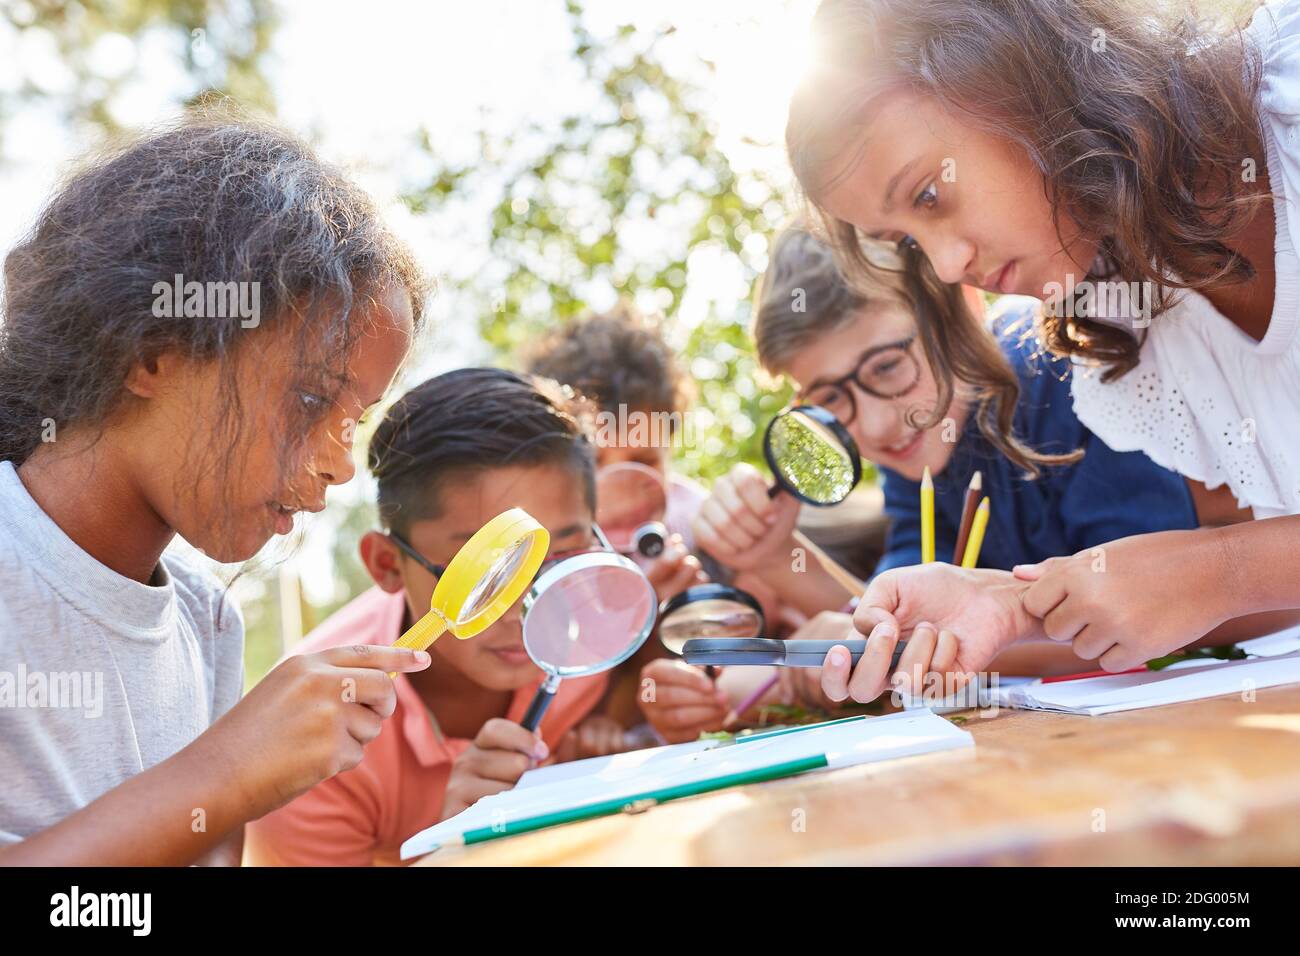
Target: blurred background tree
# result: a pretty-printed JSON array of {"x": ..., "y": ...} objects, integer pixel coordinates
[
  {"x": 626, "y": 196},
  {"x": 93, "y": 50}
]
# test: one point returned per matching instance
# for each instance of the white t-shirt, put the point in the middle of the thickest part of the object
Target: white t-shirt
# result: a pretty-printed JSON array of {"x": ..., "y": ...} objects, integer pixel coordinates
[
  {"x": 101, "y": 676},
  {"x": 1205, "y": 399}
]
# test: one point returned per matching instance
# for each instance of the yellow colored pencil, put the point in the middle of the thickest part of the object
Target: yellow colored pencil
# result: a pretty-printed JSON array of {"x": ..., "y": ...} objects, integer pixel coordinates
[
  {"x": 927, "y": 518},
  {"x": 977, "y": 529}
]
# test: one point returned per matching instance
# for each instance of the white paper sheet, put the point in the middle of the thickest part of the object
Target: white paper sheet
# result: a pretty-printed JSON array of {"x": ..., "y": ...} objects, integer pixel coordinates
[
  {"x": 613, "y": 766},
  {"x": 628, "y": 776},
  {"x": 1276, "y": 661}
]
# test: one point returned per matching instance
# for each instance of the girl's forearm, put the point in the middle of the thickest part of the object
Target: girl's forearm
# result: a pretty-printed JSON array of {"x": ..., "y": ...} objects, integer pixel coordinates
[
  {"x": 1256, "y": 563},
  {"x": 1252, "y": 625},
  {"x": 229, "y": 852},
  {"x": 1039, "y": 658},
  {"x": 170, "y": 815}
]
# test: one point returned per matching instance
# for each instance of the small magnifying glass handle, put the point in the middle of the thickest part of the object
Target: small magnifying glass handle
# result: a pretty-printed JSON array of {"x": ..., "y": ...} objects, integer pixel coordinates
[
  {"x": 422, "y": 633},
  {"x": 813, "y": 653},
  {"x": 541, "y": 700}
]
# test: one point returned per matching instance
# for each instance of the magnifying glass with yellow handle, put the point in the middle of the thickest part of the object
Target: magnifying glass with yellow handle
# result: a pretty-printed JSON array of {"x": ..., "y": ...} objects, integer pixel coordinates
[{"x": 489, "y": 573}]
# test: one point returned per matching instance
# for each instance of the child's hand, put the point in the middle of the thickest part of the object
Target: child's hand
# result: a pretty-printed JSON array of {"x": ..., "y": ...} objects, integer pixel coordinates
[
  {"x": 597, "y": 736},
  {"x": 309, "y": 719},
  {"x": 1128, "y": 601},
  {"x": 674, "y": 570},
  {"x": 958, "y": 620},
  {"x": 741, "y": 526},
  {"x": 501, "y": 753},
  {"x": 685, "y": 702}
]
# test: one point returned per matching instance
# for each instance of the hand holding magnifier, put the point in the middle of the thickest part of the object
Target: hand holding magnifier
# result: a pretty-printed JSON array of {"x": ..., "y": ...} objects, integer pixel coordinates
[{"x": 714, "y": 624}]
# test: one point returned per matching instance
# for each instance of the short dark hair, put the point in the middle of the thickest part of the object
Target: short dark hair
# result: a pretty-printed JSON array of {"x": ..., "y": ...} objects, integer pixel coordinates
[
  {"x": 615, "y": 358},
  {"x": 469, "y": 420}
]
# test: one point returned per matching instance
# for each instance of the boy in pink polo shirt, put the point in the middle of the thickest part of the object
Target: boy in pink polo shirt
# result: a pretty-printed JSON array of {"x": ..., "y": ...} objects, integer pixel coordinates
[{"x": 450, "y": 455}]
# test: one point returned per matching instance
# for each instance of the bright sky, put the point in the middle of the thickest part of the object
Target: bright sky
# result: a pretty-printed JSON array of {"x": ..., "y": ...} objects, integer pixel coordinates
[{"x": 363, "y": 79}]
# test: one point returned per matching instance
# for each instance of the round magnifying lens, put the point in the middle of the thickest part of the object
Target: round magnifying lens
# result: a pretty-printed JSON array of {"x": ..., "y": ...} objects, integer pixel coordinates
[
  {"x": 498, "y": 576},
  {"x": 585, "y": 615},
  {"x": 811, "y": 455},
  {"x": 709, "y": 610},
  {"x": 631, "y": 503},
  {"x": 487, "y": 575}
]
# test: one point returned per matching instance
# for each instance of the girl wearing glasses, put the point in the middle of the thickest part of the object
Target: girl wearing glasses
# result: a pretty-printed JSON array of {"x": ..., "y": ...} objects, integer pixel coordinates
[{"x": 857, "y": 354}]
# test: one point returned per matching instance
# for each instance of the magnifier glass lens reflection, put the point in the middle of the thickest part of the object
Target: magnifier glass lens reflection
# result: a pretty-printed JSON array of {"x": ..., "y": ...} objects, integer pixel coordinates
[
  {"x": 582, "y": 621},
  {"x": 710, "y": 618},
  {"x": 497, "y": 578},
  {"x": 810, "y": 458}
]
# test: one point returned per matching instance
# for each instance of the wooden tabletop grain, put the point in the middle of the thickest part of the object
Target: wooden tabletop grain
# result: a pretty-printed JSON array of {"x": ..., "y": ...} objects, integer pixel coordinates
[{"x": 1214, "y": 782}]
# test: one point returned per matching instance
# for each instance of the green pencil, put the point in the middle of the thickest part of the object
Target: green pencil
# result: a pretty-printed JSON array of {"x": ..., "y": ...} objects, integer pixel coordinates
[{"x": 650, "y": 798}]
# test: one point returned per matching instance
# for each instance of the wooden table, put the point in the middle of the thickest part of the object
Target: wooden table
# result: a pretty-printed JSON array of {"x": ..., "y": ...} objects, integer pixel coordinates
[{"x": 1215, "y": 782}]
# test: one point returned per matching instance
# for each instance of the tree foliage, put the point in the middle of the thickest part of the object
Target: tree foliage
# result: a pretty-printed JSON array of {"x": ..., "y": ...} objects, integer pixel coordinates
[
  {"x": 219, "y": 45},
  {"x": 627, "y": 195}
]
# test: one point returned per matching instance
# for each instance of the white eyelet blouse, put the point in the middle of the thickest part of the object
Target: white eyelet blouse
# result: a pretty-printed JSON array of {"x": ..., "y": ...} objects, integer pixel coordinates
[{"x": 1207, "y": 400}]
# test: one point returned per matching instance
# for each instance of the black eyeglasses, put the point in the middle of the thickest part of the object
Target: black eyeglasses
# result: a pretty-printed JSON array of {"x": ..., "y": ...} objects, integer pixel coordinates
[
  {"x": 886, "y": 371},
  {"x": 438, "y": 570}
]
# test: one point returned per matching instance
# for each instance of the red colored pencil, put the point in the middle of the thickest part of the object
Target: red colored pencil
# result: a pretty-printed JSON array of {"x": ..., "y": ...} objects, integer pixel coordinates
[{"x": 1065, "y": 677}]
